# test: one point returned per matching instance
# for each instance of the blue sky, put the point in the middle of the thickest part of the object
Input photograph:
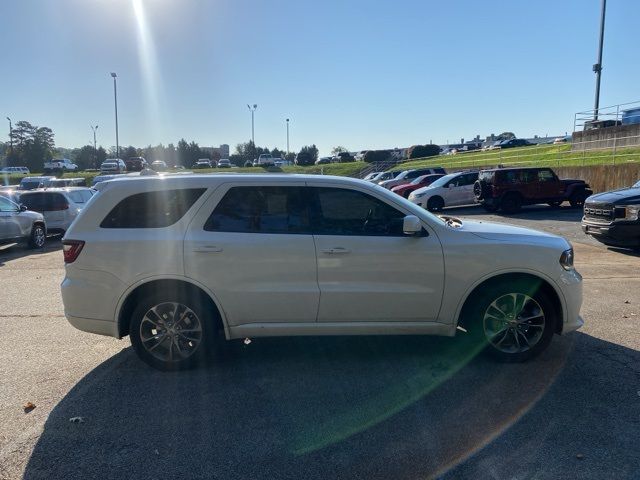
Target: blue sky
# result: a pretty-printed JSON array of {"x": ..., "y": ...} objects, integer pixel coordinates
[{"x": 363, "y": 74}]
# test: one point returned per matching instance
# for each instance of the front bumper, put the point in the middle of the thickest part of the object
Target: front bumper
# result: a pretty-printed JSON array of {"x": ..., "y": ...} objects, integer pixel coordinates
[
  {"x": 615, "y": 234},
  {"x": 570, "y": 283}
]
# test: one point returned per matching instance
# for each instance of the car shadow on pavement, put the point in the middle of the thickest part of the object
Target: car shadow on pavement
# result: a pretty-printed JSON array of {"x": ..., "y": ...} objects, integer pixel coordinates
[
  {"x": 330, "y": 407},
  {"x": 531, "y": 212},
  {"x": 16, "y": 251}
]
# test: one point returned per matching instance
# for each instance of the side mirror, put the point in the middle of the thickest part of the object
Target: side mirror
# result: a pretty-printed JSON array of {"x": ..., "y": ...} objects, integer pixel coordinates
[
  {"x": 23, "y": 208},
  {"x": 411, "y": 225}
]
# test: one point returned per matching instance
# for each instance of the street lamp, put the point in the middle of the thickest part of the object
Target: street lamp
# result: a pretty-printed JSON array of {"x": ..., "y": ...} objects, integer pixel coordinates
[
  {"x": 252, "y": 109},
  {"x": 287, "y": 137},
  {"x": 95, "y": 149},
  {"x": 597, "y": 68},
  {"x": 10, "y": 137},
  {"x": 115, "y": 100}
]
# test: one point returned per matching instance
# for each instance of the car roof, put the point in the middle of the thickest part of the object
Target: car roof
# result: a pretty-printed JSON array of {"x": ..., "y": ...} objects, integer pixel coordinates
[
  {"x": 194, "y": 180},
  {"x": 511, "y": 169},
  {"x": 55, "y": 189}
]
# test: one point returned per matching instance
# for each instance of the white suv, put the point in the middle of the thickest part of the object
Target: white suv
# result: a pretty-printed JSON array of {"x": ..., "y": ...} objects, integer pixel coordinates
[
  {"x": 181, "y": 263},
  {"x": 452, "y": 190}
]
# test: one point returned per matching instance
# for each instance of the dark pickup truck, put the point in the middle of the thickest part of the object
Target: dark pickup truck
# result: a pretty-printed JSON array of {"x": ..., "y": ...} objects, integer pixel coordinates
[
  {"x": 613, "y": 217},
  {"x": 508, "y": 189}
]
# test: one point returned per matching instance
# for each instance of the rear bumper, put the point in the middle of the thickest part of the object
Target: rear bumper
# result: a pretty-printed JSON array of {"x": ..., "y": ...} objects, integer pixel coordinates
[
  {"x": 91, "y": 325},
  {"x": 614, "y": 234}
]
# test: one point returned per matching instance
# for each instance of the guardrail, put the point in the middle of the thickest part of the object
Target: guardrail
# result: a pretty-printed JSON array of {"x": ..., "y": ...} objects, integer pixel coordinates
[{"x": 612, "y": 113}]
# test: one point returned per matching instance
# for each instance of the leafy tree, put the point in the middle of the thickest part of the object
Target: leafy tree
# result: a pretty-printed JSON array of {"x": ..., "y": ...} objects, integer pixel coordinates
[
  {"x": 420, "y": 151},
  {"x": 85, "y": 157},
  {"x": 276, "y": 153},
  {"x": 337, "y": 150},
  {"x": 307, "y": 155},
  {"x": 128, "y": 152},
  {"x": 182, "y": 152},
  {"x": 32, "y": 146},
  {"x": 506, "y": 136},
  {"x": 101, "y": 156}
]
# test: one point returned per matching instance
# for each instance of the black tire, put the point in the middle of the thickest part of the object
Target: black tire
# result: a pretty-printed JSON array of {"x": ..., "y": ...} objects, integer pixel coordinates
[
  {"x": 38, "y": 236},
  {"x": 481, "y": 190},
  {"x": 435, "y": 204},
  {"x": 577, "y": 199},
  {"x": 481, "y": 326},
  {"x": 511, "y": 203},
  {"x": 158, "y": 307},
  {"x": 554, "y": 204}
]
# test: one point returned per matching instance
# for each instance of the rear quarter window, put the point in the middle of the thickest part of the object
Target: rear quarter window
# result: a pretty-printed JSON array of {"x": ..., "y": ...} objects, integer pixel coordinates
[{"x": 152, "y": 209}]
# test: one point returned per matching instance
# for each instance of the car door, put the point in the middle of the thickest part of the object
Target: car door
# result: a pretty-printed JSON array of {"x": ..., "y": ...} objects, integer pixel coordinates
[
  {"x": 548, "y": 185},
  {"x": 251, "y": 245},
  {"x": 465, "y": 186},
  {"x": 368, "y": 270},
  {"x": 453, "y": 191},
  {"x": 9, "y": 219}
]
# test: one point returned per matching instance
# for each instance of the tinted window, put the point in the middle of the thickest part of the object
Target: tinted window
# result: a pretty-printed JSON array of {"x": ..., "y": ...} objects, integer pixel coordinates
[
  {"x": 55, "y": 201},
  {"x": 7, "y": 206},
  {"x": 339, "y": 211},
  {"x": 152, "y": 209},
  {"x": 545, "y": 176},
  {"x": 33, "y": 201},
  {"x": 80, "y": 196},
  {"x": 261, "y": 210}
]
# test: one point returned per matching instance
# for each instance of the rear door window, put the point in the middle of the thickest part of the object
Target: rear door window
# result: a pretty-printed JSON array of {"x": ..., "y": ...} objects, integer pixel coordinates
[
  {"x": 256, "y": 209},
  {"x": 54, "y": 202},
  {"x": 152, "y": 209},
  {"x": 33, "y": 201}
]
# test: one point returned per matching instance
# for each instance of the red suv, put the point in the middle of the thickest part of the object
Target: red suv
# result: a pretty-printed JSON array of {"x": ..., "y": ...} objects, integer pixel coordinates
[
  {"x": 508, "y": 189},
  {"x": 423, "y": 181}
]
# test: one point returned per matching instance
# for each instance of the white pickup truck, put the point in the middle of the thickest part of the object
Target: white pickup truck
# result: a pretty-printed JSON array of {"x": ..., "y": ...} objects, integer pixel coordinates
[{"x": 63, "y": 164}]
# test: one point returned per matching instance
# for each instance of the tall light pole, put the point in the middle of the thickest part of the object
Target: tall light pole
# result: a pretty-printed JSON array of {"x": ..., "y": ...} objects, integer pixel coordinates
[
  {"x": 252, "y": 109},
  {"x": 287, "y": 137},
  {"x": 95, "y": 149},
  {"x": 597, "y": 68},
  {"x": 115, "y": 100},
  {"x": 10, "y": 137}
]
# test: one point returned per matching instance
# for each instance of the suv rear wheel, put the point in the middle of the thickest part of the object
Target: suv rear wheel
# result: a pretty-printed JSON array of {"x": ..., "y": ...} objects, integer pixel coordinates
[
  {"x": 577, "y": 199},
  {"x": 513, "y": 321},
  {"x": 172, "y": 330},
  {"x": 511, "y": 203},
  {"x": 38, "y": 236}
]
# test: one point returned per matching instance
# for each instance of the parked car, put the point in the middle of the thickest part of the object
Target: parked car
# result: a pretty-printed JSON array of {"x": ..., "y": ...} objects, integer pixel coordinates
[
  {"x": 409, "y": 175},
  {"x": 382, "y": 176},
  {"x": 265, "y": 160},
  {"x": 343, "y": 157},
  {"x": 60, "y": 165},
  {"x": 68, "y": 182},
  {"x": 324, "y": 160},
  {"x": 515, "y": 142},
  {"x": 15, "y": 170},
  {"x": 136, "y": 164},
  {"x": 598, "y": 124},
  {"x": 493, "y": 146},
  {"x": 18, "y": 224},
  {"x": 360, "y": 155},
  {"x": 630, "y": 116},
  {"x": 560, "y": 140},
  {"x": 259, "y": 255},
  {"x": 29, "y": 183},
  {"x": 371, "y": 176},
  {"x": 113, "y": 165},
  {"x": 203, "y": 163},
  {"x": 613, "y": 217},
  {"x": 224, "y": 163},
  {"x": 450, "y": 190},
  {"x": 59, "y": 206},
  {"x": 404, "y": 190},
  {"x": 158, "y": 166},
  {"x": 508, "y": 189}
]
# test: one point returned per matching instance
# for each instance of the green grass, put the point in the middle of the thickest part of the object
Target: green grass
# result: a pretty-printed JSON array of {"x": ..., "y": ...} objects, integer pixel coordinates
[{"x": 539, "y": 156}]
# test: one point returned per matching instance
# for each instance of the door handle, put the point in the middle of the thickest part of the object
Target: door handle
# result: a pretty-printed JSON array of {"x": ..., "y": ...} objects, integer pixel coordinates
[
  {"x": 208, "y": 249},
  {"x": 335, "y": 250}
]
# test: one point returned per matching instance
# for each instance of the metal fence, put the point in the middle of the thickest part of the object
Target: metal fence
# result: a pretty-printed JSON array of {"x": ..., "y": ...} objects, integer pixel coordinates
[{"x": 613, "y": 114}]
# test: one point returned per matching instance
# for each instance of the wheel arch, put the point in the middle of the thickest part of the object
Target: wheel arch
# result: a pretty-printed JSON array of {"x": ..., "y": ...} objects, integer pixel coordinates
[
  {"x": 545, "y": 284},
  {"x": 129, "y": 299}
]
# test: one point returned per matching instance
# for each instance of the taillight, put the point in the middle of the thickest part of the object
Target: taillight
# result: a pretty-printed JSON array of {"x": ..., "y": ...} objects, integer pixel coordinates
[{"x": 71, "y": 249}]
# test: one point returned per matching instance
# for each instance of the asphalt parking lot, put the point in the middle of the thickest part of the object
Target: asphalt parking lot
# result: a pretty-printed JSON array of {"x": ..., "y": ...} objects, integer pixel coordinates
[{"x": 348, "y": 407}]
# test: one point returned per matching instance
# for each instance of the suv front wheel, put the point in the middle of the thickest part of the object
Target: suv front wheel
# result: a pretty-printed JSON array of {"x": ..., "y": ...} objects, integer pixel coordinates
[
  {"x": 38, "y": 236},
  {"x": 173, "y": 330},
  {"x": 513, "y": 321}
]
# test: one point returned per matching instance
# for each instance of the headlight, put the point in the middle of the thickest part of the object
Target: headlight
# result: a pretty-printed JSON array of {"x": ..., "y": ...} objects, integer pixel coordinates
[
  {"x": 631, "y": 212},
  {"x": 566, "y": 259},
  {"x": 419, "y": 195}
]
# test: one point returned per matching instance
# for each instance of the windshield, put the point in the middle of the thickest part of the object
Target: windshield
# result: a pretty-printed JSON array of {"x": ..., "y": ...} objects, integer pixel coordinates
[
  {"x": 443, "y": 180},
  {"x": 637, "y": 184}
]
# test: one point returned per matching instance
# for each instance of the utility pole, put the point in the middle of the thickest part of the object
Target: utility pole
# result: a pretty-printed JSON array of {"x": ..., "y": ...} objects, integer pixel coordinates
[
  {"x": 115, "y": 100},
  {"x": 287, "y": 136},
  {"x": 95, "y": 149},
  {"x": 10, "y": 137},
  {"x": 252, "y": 109},
  {"x": 597, "y": 68}
]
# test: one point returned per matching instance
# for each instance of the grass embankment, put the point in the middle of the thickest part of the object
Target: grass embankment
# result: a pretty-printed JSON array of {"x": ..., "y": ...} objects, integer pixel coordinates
[
  {"x": 341, "y": 169},
  {"x": 539, "y": 156}
]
